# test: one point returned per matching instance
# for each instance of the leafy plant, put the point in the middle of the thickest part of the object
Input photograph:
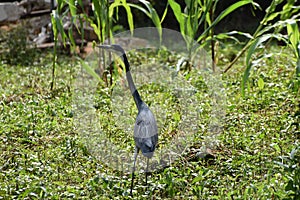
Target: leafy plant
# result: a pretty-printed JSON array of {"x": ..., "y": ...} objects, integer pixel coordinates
[
  {"x": 105, "y": 15},
  {"x": 266, "y": 31},
  {"x": 199, "y": 14},
  {"x": 152, "y": 14},
  {"x": 294, "y": 43}
]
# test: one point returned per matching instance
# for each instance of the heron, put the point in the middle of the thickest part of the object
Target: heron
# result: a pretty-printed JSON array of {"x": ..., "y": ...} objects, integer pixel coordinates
[{"x": 145, "y": 127}]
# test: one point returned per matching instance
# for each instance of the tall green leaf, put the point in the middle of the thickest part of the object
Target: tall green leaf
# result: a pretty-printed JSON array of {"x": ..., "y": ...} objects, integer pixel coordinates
[
  {"x": 178, "y": 14},
  {"x": 57, "y": 26},
  {"x": 256, "y": 43},
  {"x": 89, "y": 70},
  {"x": 126, "y": 6},
  {"x": 294, "y": 36},
  {"x": 72, "y": 7},
  {"x": 151, "y": 13},
  {"x": 129, "y": 15},
  {"x": 223, "y": 14}
]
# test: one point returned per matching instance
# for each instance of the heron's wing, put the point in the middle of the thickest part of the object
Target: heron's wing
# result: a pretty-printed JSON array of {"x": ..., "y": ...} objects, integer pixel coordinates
[{"x": 145, "y": 131}]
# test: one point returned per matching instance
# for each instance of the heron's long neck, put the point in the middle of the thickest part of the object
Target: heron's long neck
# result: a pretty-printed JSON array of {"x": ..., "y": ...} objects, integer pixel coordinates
[{"x": 134, "y": 92}]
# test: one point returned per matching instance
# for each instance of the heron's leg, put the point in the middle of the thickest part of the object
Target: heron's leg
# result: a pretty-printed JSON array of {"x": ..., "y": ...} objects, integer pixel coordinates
[
  {"x": 147, "y": 169},
  {"x": 136, "y": 151}
]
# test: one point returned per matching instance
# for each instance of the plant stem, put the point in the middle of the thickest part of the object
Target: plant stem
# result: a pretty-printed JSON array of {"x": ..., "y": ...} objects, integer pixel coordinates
[
  {"x": 237, "y": 57},
  {"x": 212, "y": 43},
  {"x": 255, "y": 35},
  {"x": 108, "y": 38},
  {"x": 54, "y": 64}
]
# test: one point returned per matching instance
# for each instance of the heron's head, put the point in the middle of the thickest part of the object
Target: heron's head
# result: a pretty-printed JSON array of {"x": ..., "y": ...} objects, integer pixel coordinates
[{"x": 114, "y": 48}]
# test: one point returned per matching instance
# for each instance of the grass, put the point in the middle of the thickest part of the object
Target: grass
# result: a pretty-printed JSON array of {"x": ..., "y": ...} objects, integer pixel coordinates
[{"x": 43, "y": 157}]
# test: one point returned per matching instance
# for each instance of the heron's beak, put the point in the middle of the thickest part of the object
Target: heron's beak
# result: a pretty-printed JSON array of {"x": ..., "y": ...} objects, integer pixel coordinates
[
  {"x": 113, "y": 48},
  {"x": 108, "y": 48},
  {"x": 105, "y": 47}
]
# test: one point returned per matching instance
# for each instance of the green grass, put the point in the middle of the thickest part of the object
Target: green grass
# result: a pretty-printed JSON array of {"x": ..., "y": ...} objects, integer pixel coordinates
[{"x": 43, "y": 157}]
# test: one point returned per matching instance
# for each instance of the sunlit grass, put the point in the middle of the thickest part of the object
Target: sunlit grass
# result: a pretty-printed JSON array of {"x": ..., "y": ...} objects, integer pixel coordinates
[{"x": 42, "y": 156}]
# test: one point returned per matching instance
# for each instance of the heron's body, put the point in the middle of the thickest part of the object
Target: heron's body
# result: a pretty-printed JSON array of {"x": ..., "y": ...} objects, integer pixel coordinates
[
  {"x": 145, "y": 128},
  {"x": 145, "y": 131}
]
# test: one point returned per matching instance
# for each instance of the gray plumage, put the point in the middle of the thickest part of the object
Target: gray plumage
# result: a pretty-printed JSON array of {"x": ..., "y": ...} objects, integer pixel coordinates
[
  {"x": 145, "y": 131},
  {"x": 145, "y": 128}
]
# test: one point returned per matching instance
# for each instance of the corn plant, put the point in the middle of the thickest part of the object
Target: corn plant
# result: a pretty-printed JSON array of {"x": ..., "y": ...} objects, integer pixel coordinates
[
  {"x": 105, "y": 14},
  {"x": 268, "y": 30},
  {"x": 199, "y": 13},
  {"x": 294, "y": 38},
  {"x": 152, "y": 14},
  {"x": 294, "y": 43}
]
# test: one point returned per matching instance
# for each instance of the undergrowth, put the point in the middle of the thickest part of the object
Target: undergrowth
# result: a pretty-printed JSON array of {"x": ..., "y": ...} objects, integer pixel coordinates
[{"x": 256, "y": 155}]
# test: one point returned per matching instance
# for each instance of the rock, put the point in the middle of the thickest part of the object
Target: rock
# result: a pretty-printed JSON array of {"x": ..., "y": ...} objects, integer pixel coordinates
[
  {"x": 33, "y": 5},
  {"x": 10, "y": 12}
]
